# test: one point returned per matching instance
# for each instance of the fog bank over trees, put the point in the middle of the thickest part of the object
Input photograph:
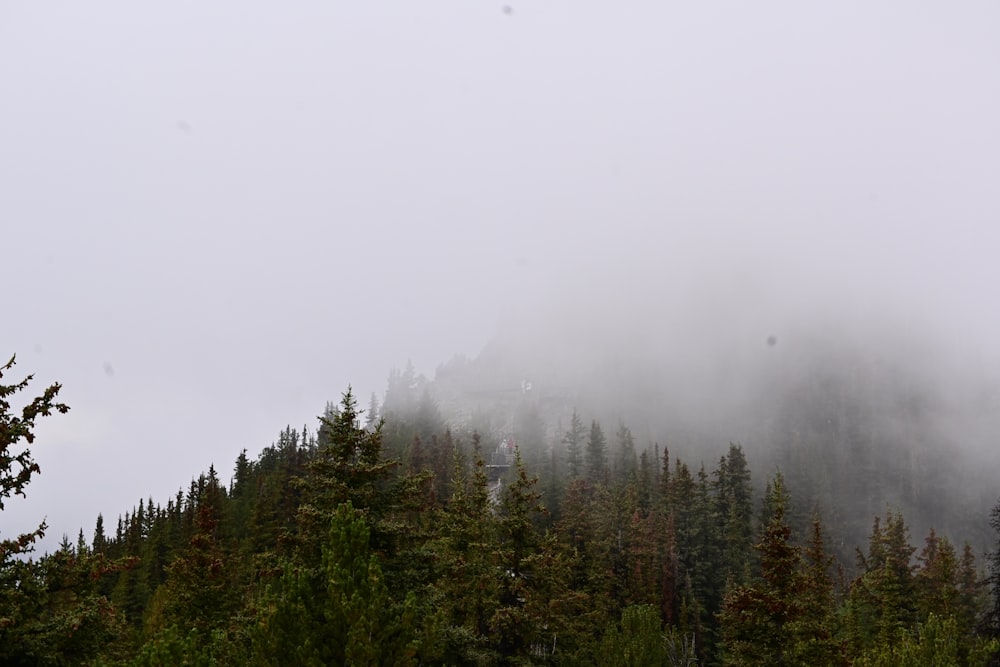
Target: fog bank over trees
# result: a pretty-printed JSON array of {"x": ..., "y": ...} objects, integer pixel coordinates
[{"x": 866, "y": 397}]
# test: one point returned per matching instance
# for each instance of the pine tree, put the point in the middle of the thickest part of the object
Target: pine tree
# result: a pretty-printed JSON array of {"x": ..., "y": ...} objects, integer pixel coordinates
[
  {"x": 372, "y": 415},
  {"x": 993, "y": 562},
  {"x": 758, "y": 618},
  {"x": 936, "y": 579},
  {"x": 637, "y": 641},
  {"x": 468, "y": 583},
  {"x": 882, "y": 600},
  {"x": 586, "y": 532},
  {"x": 17, "y": 465},
  {"x": 518, "y": 542},
  {"x": 347, "y": 467},
  {"x": 733, "y": 494},
  {"x": 201, "y": 591},
  {"x": 574, "y": 439},
  {"x": 597, "y": 454},
  {"x": 814, "y": 629},
  {"x": 100, "y": 542},
  {"x": 627, "y": 465},
  {"x": 341, "y": 612},
  {"x": 50, "y": 610}
]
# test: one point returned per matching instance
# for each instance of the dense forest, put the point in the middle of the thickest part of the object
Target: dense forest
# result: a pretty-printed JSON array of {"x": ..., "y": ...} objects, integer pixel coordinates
[{"x": 387, "y": 537}]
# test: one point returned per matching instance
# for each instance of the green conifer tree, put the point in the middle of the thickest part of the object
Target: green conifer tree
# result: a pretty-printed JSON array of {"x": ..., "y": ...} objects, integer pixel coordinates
[
  {"x": 758, "y": 618},
  {"x": 574, "y": 439},
  {"x": 597, "y": 454},
  {"x": 340, "y": 613}
]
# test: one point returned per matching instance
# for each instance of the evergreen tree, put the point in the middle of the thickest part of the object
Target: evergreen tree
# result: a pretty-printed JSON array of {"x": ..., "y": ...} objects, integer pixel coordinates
[
  {"x": 347, "y": 467},
  {"x": 514, "y": 626},
  {"x": 733, "y": 494},
  {"x": 17, "y": 465},
  {"x": 882, "y": 600},
  {"x": 468, "y": 583},
  {"x": 201, "y": 591},
  {"x": 597, "y": 454},
  {"x": 627, "y": 465},
  {"x": 372, "y": 415},
  {"x": 341, "y": 612},
  {"x": 815, "y": 628},
  {"x": 50, "y": 610},
  {"x": 993, "y": 622},
  {"x": 574, "y": 440},
  {"x": 100, "y": 542},
  {"x": 637, "y": 641},
  {"x": 586, "y": 532},
  {"x": 758, "y": 618}
]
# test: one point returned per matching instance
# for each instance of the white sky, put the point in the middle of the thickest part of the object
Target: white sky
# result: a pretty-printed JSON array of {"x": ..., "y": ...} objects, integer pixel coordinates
[{"x": 216, "y": 215}]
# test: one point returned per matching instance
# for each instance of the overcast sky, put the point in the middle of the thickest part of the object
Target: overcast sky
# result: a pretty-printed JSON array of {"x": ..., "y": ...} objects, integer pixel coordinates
[{"x": 214, "y": 216}]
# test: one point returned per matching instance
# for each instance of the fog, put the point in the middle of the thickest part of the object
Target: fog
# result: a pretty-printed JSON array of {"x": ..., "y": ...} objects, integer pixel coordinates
[{"x": 216, "y": 216}]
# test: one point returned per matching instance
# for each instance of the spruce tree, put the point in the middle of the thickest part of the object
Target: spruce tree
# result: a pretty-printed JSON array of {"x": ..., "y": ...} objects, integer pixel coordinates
[
  {"x": 574, "y": 439},
  {"x": 340, "y": 613},
  {"x": 882, "y": 600},
  {"x": 467, "y": 585},
  {"x": 513, "y": 624},
  {"x": 993, "y": 563},
  {"x": 597, "y": 454},
  {"x": 758, "y": 618},
  {"x": 627, "y": 464}
]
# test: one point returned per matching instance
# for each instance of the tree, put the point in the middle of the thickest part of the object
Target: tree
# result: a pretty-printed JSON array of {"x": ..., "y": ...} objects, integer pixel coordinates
[
  {"x": 627, "y": 465},
  {"x": 200, "y": 593},
  {"x": 100, "y": 542},
  {"x": 733, "y": 498},
  {"x": 574, "y": 440},
  {"x": 515, "y": 627},
  {"x": 347, "y": 467},
  {"x": 597, "y": 454},
  {"x": 757, "y": 618},
  {"x": 882, "y": 600},
  {"x": 464, "y": 541},
  {"x": 339, "y": 613},
  {"x": 994, "y": 578},
  {"x": 937, "y": 642},
  {"x": 637, "y": 642},
  {"x": 17, "y": 465},
  {"x": 992, "y": 624},
  {"x": 814, "y": 629},
  {"x": 587, "y": 532},
  {"x": 19, "y": 580},
  {"x": 937, "y": 578}
]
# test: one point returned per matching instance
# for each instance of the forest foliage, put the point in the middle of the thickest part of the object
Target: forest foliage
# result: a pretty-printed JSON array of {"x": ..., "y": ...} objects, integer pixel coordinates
[{"x": 396, "y": 542}]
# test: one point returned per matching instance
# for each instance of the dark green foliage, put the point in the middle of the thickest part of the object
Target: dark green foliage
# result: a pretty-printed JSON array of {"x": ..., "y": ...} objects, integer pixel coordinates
[
  {"x": 734, "y": 508},
  {"x": 17, "y": 466},
  {"x": 783, "y": 616},
  {"x": 467, "y": 587},
  {"x": 23, "y": 585},
  {"x": 636, "y": 640},
  {"x": 517, "y": 543},
  {"x": 937, "y": 643},
  {"x": 339, "y": 613},
  {"x": 993, "y": 620},
  {"x": 326, "y": 550},
  {"x": 347, "y": 467},
  {"x": 756, "y": 617},
  {"x": 882, "y": 599},
  {"x": 574, "y": 439},
  {"x": 627, "y": 462},
  {"x": 597, "y": 454}
]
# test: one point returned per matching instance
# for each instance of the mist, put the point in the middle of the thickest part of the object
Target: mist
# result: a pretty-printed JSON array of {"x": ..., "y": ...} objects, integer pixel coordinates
[{"x": 215, "y": 219}]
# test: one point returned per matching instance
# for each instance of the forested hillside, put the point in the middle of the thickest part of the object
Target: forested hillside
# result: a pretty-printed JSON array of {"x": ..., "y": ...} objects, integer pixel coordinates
[
  {"x": 402, "y": 542},
  {"x": 858, "y": 421}
]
